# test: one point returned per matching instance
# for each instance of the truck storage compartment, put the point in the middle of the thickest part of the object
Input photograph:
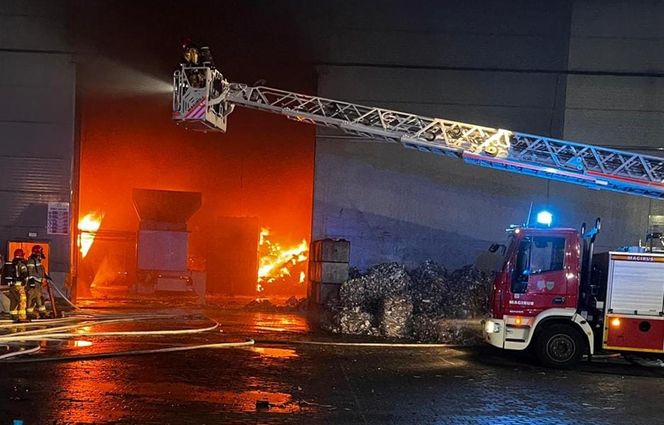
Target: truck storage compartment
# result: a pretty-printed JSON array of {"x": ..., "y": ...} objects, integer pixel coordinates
[{"x": 634, "y": 302}]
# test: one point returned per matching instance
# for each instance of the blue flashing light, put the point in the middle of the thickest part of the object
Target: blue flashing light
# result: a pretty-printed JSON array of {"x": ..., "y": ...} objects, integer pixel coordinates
[{"x": 544, "y": 218}]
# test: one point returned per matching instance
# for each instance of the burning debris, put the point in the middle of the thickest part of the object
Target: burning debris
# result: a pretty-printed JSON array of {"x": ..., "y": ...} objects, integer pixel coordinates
[
  {"x": 277, "y": 264},
  {"x": 88, "y": 227},
  {"x": 425, "y": 304},
  {"x": 291, "y": 305}
]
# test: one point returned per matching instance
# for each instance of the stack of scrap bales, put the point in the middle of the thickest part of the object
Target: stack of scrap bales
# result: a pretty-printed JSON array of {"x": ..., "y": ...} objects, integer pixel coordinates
[{"x": 425, "y": 304}]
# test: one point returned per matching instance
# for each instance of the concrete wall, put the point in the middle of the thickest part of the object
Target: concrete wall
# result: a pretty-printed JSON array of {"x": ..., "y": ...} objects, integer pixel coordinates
[
  {"x": 493, "y": 65},
  {"x": 37, "y": 88},
  {"x": 500, "y": 64},
  {"x": 617, "y": 49}
]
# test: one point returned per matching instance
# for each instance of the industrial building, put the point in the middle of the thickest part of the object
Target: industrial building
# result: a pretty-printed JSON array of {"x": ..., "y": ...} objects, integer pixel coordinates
[
  {"x": 259, "y": 249},
  {"x": 86, "y": 121}
]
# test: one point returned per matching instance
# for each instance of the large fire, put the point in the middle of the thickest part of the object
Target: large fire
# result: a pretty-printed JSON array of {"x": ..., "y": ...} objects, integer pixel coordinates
[
  {"x": 277, "y": 264},
  {"x": 88, "y": 227}
]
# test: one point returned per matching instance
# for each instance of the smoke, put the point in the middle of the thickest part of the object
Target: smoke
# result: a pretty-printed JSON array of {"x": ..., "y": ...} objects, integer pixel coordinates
[
  {"x": 110, "y": 270},
  {"x": 112, "y": 78}
]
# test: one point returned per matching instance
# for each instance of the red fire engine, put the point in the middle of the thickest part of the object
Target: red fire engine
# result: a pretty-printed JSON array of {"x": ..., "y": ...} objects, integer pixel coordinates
[
  {"x": 553, "y": 295},
  {"x": 551, "y": 292}
]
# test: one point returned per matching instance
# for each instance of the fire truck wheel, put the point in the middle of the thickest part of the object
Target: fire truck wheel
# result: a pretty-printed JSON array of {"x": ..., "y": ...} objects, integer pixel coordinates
[{"x": 559, "y": 346}]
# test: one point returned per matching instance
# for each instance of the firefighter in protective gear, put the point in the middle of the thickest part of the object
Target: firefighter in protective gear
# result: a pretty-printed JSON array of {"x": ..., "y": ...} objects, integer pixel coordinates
[
  {"x": 191, "y": 57},
  {"x": 36, "y": 278},
  {"x": 15, "y": 275},
  {"x": 190, "y": 53}
]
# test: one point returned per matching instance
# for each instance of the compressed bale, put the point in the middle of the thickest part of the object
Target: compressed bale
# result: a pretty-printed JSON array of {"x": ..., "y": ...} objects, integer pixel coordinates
[
  {"x": 353, "y": 292},
  {"x": 423, "y": 328},
  {"x": 396, "y": 317},
  {"x": 429, "y": 289},
  {"x": 428, "y": 304},
  {"x": 369, "y": 290},
  {"x": 469, "y": 292},
  {"x": 354, "y": 321}
]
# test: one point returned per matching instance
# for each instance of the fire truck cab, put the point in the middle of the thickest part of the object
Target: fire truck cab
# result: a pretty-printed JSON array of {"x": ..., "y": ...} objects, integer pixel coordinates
[{"x": 554, "y": 296}]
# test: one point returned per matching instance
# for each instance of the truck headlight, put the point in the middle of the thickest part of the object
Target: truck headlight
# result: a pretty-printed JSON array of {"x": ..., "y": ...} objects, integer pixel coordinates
[{"x": 491, "y": 327}]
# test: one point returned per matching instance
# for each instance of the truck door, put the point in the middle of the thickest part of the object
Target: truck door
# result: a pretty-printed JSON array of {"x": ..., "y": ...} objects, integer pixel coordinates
[{"x": 538, "y": 279}]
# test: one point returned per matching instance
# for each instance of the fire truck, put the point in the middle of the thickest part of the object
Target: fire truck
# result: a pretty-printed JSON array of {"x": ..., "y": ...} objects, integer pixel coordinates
[{"x": 552, "y": 294}]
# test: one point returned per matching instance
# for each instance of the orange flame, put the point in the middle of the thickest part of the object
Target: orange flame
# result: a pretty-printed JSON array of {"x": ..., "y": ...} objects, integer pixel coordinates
[
  {"x": 88, "y": 227},
  {"x": 276, "y": 263}
]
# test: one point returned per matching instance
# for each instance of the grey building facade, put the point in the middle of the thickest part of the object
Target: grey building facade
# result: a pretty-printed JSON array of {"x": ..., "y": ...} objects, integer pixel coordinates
[
  {"x": 37, "y": 130},
  {"x": 581, "y": 70}
]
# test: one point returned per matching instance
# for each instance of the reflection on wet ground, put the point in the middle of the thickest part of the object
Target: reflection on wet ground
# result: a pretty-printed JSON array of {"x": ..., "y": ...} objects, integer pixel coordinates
[
  {"x": 280, "y": 353},
  {"x": 284, "y": 381}
]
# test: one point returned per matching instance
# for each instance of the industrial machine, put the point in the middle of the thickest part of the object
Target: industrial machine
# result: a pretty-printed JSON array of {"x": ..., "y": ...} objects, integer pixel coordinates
[
  {"x": 551, "y": 293},
  {"x": 163, "y": 240}
]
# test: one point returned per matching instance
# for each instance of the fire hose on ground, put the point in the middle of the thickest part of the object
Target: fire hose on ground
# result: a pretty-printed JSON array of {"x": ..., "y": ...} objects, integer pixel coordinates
[
  {"x": 86, "y": 322},
  {"x": 49, "y": 334},
  {"x": 55, "y": 333},
  {"x": 124, "y": 353},
  {"x": 20, "y": 352},
  {"x": 375, "y": 344},
  {"x": 39, "y": 336},
  {"x": 95, "y": 319},
  {"x": 64, "y": 297}
]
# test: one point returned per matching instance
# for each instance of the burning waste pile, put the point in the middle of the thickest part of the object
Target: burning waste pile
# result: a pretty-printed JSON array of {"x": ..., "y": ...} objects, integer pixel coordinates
[{"x": 427, "y": 304}]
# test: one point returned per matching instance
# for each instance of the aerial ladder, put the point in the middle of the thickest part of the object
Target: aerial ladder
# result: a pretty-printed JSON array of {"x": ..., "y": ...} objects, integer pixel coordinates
[
  {"x": 203, "y": 99},
  {"x": 577, "y": 303}
]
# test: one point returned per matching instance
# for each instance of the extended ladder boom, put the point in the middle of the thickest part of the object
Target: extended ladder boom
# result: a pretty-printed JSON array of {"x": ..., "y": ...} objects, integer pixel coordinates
[{"x": 203, "y": 99}]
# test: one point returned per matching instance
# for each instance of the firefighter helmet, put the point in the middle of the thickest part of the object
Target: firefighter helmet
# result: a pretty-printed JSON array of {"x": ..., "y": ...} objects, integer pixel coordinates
[
  {"x": 38, "y": 250},
  {"x": 191, "y": 55},
  {"x": 19, "y": 253},
  {"x": 190, "y": 52}
]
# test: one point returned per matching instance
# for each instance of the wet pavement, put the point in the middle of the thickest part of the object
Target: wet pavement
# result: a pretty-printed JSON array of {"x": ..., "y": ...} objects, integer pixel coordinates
[{"x": 282, "y": 379}]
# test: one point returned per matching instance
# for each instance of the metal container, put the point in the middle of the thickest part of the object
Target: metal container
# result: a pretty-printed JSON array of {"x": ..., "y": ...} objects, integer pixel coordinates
[
  {"x": 163, "y": 239},
  {"x": 328, "y": 268},
  {"x": 328, "y": 272},
  {"x": 330, "y": 250}
]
